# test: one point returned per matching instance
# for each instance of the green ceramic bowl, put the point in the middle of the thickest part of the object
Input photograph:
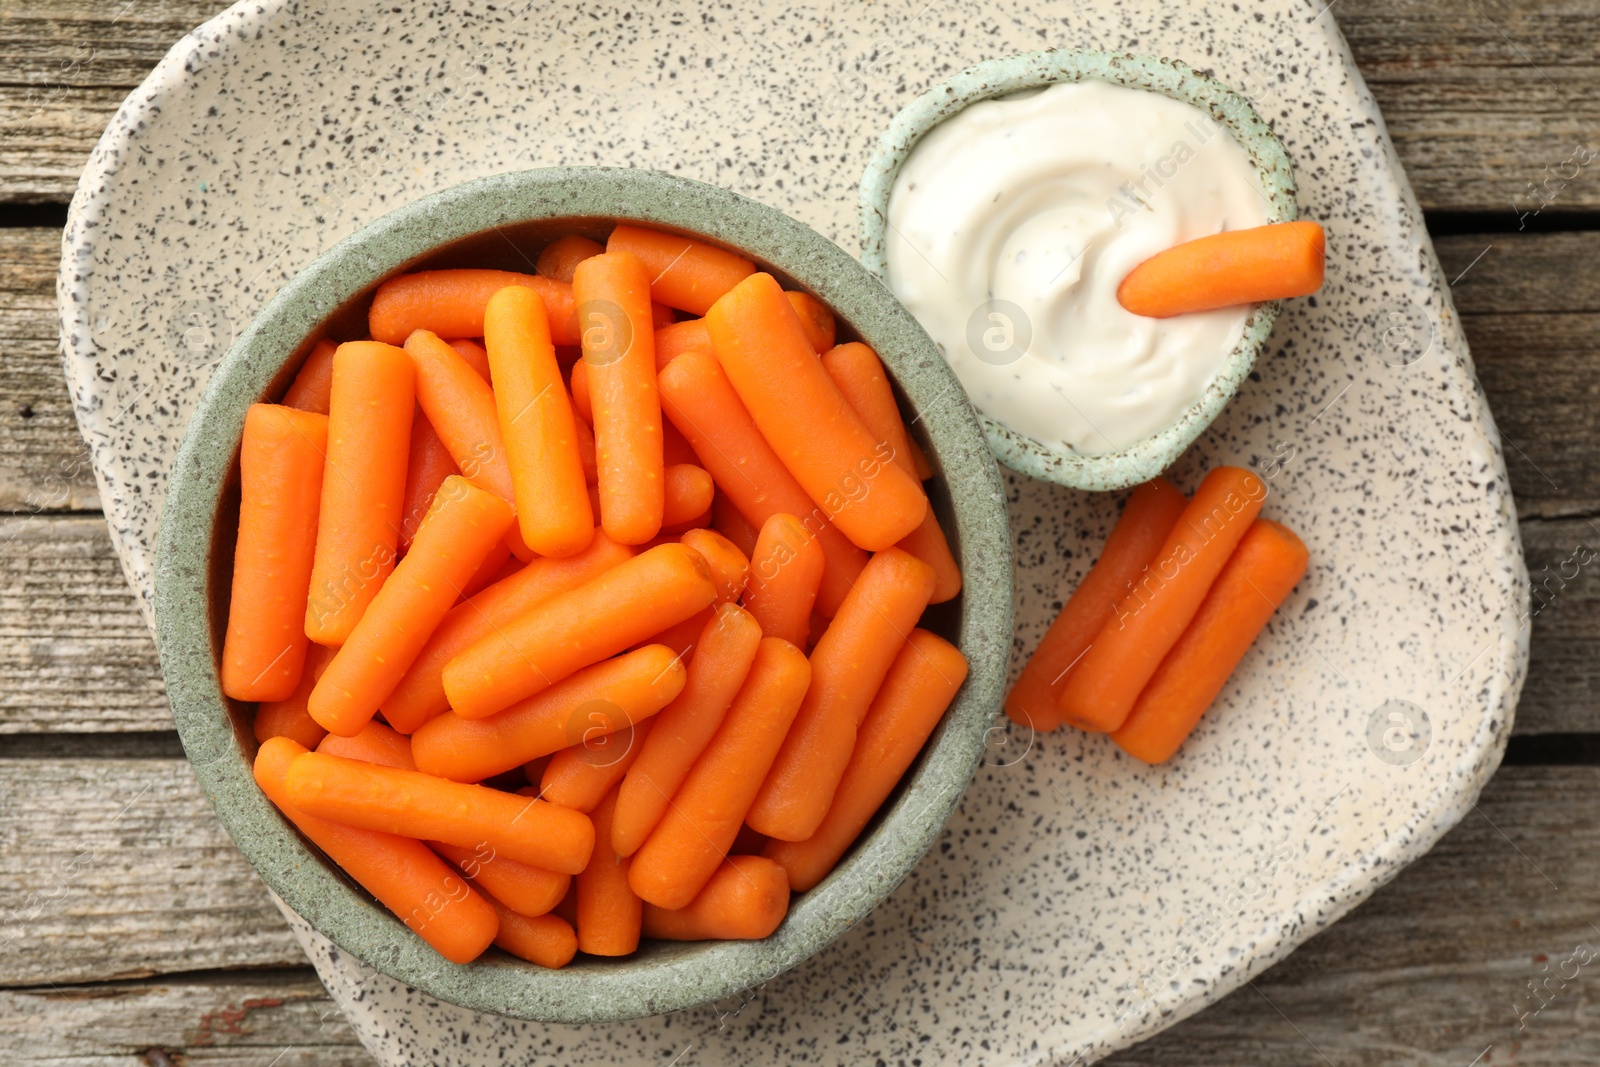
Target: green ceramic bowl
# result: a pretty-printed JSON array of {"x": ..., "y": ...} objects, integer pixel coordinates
[
  {"x": 1144, "y": 459},
  {"x": 503, "y": 221}
]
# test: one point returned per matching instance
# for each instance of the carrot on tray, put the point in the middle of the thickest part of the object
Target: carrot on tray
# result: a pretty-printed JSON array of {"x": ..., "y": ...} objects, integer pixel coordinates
[
  {"x": 725, "y": 650},
  {"x": 1148, "y": 517},
  {"x": 600, "y": 700},
  {"x": 537, "y": 426},
  {"x": 281, "y": 465},
  {"x": 1272, "y": 262},
  {"x": 464, "y": 524},
  {"x": 547, "y": 940},
  {"x": 561, "y": 257},
  {"x": 683, "y": 273},
  {"x": 815, "y": 319},
  {"x": 406, "y": 878},
  {"x": 613, "y": 294},
  {"x": 313, "y": 383},
  {"x": 785, "y": 572},
  {"x": 688, "y": 844},
  {"x": 289, "y": 718},
  {"x": 697, "y": 396},
  {"x": 1147, "y": 622},
  {"x": 688, "y": 493},
  {"x": 522, "y": 887},
  {"x": 450, "y": 303},
  {"x": 600, "y": 618},
  {"x": 744, "y": 900},
  {"x": 580, "y": 776},
  {"x": 847, "y": 667},
  {"x": 608, "y": 910},
  {"x": 757, "y": 338},
  {"x": 915, "y": 693},
  {"x": 1262, "y": 571},
  {"x": 395, "y": 801},
  {"x": 363, "y": 485}
]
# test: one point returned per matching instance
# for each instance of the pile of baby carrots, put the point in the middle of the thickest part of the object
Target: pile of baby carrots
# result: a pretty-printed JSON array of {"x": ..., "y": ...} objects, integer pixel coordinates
[
  {"x": 1151, "y": 635},
  {"x": 581, "y": 606}
]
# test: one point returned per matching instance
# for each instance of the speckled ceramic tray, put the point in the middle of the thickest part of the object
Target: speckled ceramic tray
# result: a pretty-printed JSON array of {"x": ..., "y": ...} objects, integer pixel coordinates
[{"x": 1077, "y": 902}]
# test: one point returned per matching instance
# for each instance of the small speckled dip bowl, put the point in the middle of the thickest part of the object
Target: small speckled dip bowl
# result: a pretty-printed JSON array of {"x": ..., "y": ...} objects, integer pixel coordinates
[
  {"x": 503, "y": 221},
  {"x": 1148, "y": 457}
]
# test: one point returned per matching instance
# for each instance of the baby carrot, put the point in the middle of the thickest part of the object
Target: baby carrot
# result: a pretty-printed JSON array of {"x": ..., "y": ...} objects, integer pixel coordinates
[
  {"x": 289, "y": 718},
  {"x": 698, "y": 398},
  {"x": 522, "y": 887},
  {"x": 595, "y": 702},
  {"x": 619, "y": 344},
  {"x": 547, "y": 940},
  {"x": 724, "y": 651},
  {"x": 600, "y": 618},
  {"x": 687, "y": 493},
  {"x": 429, "y": 465},
  {"x": 463, "y": 525},
  {"x": 405, "y": 877},
  {"x": 580, "y": 776},
  {"x": 395, "y": 801},
  {"x": 784, "y": 574},
  {"x": 847, "y": 667},
  {"x": 1148, "y": 621},
  {"x": 420, "y": 694},
  {"x": 675, "y": 448},
  {"x": 744, "y": 900},
  {"x": 537, "y": 426},
  {"x": 815, "y": 319},
  {"x": 460, "y": 405},
  {"x": 688, "y": 844},
  {"x": 450, "y": 303},
  {"x": 373, "y": 743},
  {"x": 586, "y": 455},
  {"x": 1272, "y": 262},
  {"x": 1148, "y": 517},
  {"x": 661, "y": 316},
  {"x": 608, "y": 910},
  {"x": 687, "y": 336},
  {"x": 859, "y": 374},
  {"x": 727, "y": 521},
  {"x": 682, "y": 273},
  {"x": 916, "y": 691},
  {"x": 730, "y": 568},
  {"x": 684, "y": 637},
  {"x": 476, "y": 355},
  {"x": 561, "y": 257},
  {"x": 314, "y": 383},
  {"x": 1261, "y": 573},
  {"x": 363, "y": 485},
  {"x": 758, "y": 340},
  {"x": 578, "y": 386},
  {"x": 281, "y": 463}
]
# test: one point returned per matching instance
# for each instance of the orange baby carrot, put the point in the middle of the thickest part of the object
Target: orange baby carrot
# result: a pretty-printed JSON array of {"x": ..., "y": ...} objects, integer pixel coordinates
[
  {"x": 600, "y": 618},
  {"x": 450, "y": 303},
  {"x": 522, "y": 887},
  {"x": 586, "y": 456},
  {"x": 405, "y": 877},
  {"x": 698, "y": 398},
  {"x": 561, "y": 257},
  {"x": 723, "y": 653},
  {"x": 578, "y": 386},
  {"x": 758, "y": 340},
  {"x": 687, "y": 336},
  {"x": 289, "y": 718},
  {"x": 1147, "y": 622},
  {"x": 547, "y": 940},
  {"x": 859, "y": 374},
  {"x": 608, "y": 910},
  {"x": 579, "y": 777},
  {"x": 373, "y": 743},
  {"x": 420, "y": 694},
  {"x": 430, "y": 463},
  {"x": 537, "y": 426},
  {"x": 1272, "y": 262},
  {"x": 683, "y": 273},
  {"x": 744, "y": 900},
  {"x": 476, "y": 355},
  {"x": 595, "y": 702},
  {"x": 661, "y": 316},
  {"x": 688, "y": 844},
  {"x": 916, "y": 691},
  {"x": 461, "y": 527},
  {"x": 613, "y": 294},
  {"x": 1261, "y": 573},
  {"x": 815, "y": 319},
  {"x": 730, "y": 568},
  {"x": 313, "y": 385},
  {"x": 684, "y": 637},
  {"x": 395, "y": 801},
  {"x": 730, "y": 523},
  {"x": 847, "y": 667},
  {"x": 675, "y": 448},
  {"x": 1147, "y": 519},
  {"x": 460, "y": 406},
  {"x": 281, "y": 462},
  {"x": 785, "y": 572},
  {"x": 688, "y": 490}
]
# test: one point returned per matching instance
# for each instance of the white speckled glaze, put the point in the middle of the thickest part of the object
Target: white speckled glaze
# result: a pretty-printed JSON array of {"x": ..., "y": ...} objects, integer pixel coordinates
[{"x": 1077, "y": 902}]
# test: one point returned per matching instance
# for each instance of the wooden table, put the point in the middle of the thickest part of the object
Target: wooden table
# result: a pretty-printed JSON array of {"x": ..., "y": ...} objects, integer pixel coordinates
[{"x": 131, "y": 931}]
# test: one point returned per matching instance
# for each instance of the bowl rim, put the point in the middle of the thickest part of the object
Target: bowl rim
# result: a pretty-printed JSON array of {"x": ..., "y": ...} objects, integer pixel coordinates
[
  {"x": 676, "y": 976},
  {"x": 1148, "y": 457}
]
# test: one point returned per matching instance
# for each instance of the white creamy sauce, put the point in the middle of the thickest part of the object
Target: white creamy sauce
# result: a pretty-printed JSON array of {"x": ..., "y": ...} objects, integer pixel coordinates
[{"x": 1012, "y": 224}]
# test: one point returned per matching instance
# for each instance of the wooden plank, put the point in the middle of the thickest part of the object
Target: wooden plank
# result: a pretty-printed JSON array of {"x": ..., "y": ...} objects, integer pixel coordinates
[{"x": 119, "y": 868}]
